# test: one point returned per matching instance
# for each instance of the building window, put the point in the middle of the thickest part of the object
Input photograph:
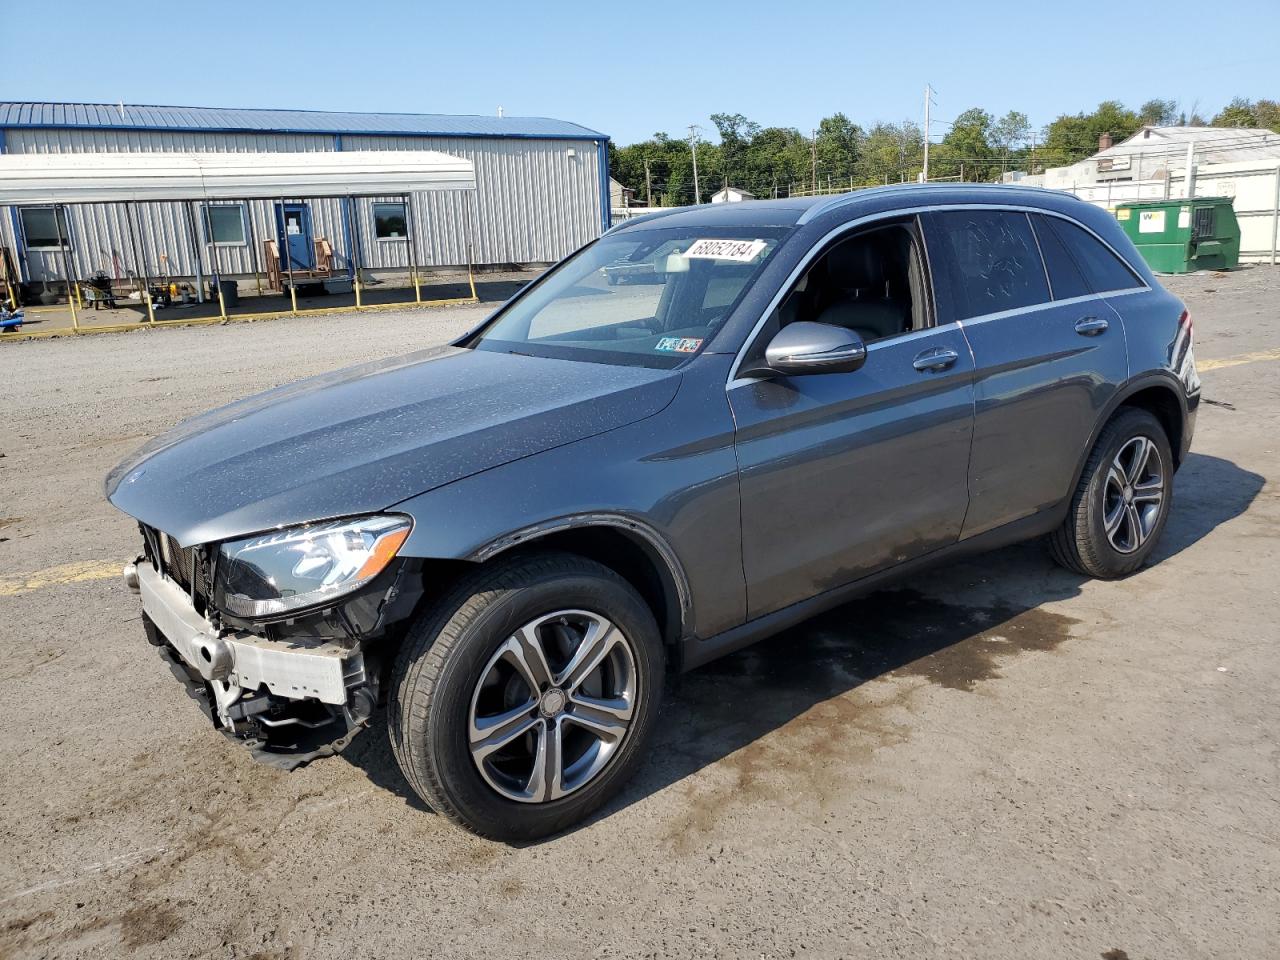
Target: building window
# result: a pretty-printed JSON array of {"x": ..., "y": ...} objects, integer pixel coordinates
[
  {"x": 40, "y": 229},
  {"x": 226, "y": 224},
  {"x": 390, "y": 221}
]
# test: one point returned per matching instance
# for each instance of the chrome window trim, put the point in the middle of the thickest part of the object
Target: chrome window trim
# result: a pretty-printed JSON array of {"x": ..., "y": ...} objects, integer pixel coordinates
[
  {"x": 1037, "y": 307},
  {"x": 733, "y": 380}
]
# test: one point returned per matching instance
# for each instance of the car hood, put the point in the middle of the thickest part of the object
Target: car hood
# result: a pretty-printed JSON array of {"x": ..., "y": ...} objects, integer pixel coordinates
[{"x": 363, "y": 439}]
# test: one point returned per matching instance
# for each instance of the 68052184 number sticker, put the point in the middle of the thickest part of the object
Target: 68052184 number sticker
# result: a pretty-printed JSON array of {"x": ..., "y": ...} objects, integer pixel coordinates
[{"x": 679, "y": 344}]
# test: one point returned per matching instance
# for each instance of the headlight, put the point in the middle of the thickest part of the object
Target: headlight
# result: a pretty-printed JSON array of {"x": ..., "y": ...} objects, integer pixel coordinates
[{"x": 303, "y": 566}]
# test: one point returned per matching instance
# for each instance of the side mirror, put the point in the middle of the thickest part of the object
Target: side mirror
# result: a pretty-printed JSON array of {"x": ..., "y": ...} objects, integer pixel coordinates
[{"x": 804, "y": 347}]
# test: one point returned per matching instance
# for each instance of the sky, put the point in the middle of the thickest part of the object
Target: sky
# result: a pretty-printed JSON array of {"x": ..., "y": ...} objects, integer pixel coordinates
[{"x": 630, "y": 70}]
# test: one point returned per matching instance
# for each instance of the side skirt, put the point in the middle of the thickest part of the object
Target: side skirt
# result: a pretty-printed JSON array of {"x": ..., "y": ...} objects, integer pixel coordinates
[{"x": 696, "y": 652}]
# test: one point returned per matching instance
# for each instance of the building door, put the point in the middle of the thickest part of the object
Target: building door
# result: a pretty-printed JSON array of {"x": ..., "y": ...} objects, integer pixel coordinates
[{"x": 293, "y": 223}]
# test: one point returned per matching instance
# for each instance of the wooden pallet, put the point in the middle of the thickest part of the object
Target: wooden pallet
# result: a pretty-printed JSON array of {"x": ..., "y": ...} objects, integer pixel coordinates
[{"x": 278, "y": 278}]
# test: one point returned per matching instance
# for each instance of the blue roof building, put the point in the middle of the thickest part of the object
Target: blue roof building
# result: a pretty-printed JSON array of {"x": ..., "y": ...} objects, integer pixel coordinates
[{"x": 541, "y": 189}]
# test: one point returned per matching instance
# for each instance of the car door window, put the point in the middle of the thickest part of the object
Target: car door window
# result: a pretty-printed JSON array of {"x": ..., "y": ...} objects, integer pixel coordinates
[
  {"x": 1065, "y": 276},
  {"x": 1103, "y": 269},
  {"x": 872, "y": 281},
  {"x": 992, "y": 260}
]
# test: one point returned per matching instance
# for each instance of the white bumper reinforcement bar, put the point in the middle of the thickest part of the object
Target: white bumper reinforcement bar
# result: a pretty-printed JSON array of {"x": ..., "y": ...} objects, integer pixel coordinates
[{"x": 243, "y": 660}]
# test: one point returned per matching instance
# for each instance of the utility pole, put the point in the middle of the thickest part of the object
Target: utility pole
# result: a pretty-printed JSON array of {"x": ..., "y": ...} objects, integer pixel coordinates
[
  {"x": 813, "y": 146},
  {"x": 693, "y": 145},
  {"x": 648, "y": 185},
  {"x": 1191, "y": 169},
  {"x": 928, "y": 99}
]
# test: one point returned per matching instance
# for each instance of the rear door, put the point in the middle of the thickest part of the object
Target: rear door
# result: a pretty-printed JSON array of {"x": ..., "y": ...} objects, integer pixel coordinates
[{"x": 1046, "y": 363}]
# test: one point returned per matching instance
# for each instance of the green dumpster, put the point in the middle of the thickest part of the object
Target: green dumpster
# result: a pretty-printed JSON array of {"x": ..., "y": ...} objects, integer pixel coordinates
[{"x": 1181, "y": 236}]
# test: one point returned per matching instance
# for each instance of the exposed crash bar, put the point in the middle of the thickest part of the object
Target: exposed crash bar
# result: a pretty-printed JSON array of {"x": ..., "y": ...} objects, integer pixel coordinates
[{"x": 243, "y": 660}]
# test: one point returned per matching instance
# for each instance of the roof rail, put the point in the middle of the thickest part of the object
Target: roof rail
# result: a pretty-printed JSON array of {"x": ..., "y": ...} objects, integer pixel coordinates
[{"x": 843, "y": 199}]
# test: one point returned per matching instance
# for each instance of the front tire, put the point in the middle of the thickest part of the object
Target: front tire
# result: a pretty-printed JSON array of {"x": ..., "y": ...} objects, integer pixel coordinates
[
  {"x": 1122, "y": 501},
  {"x": 527, "y": 698}
]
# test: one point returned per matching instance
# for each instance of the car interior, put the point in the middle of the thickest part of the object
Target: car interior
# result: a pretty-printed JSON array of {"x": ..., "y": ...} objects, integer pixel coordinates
[{"x": 872, "y": 283}]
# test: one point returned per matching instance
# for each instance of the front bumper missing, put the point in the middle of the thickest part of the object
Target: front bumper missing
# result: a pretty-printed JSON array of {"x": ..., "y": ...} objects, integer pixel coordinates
[{"x": 290, "y": 702}]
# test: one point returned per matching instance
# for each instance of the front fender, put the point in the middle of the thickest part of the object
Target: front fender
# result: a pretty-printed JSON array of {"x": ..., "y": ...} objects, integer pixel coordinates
[{"x": 669, "y": 480}]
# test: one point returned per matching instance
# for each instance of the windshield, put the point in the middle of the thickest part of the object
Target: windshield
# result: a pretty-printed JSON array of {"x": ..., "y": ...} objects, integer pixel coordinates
[{"x": 649, "y": 298}]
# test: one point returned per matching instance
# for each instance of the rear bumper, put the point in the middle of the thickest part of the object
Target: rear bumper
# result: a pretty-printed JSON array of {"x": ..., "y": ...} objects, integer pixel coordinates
[{"x": 1189, "y": 426}]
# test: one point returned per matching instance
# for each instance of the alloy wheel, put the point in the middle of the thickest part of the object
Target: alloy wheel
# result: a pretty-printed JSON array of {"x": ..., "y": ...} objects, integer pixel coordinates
[
  {"x": 552, "y": 706},
  {"x": 1133, "y": 495}
]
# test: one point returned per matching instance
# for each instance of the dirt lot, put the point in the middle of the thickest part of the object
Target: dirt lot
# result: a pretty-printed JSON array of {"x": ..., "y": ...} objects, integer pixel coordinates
[{"x": 1001, "y": 760}]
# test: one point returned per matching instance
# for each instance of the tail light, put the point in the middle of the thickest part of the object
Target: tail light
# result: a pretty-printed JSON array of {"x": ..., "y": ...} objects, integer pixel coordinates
[{"x": 1184, "y": 321}]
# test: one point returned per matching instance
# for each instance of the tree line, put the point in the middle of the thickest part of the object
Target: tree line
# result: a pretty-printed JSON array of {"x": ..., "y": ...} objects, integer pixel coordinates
[{"x": 842, "y": 155}]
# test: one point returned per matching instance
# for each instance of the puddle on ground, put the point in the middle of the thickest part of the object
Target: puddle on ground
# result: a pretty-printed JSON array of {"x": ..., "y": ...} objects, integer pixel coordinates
[
  {"x": 902, "y": 632},
  {"x": 791, "y": 712}
]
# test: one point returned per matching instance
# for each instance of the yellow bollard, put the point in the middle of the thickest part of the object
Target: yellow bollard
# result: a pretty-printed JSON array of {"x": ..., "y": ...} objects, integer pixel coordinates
[
  {"x": 357, "y": 287},
  {"x": 13, "y": 297},
  {"x": 471, "y": 278},
  {"x": 293, "y": 297},
  {"x": 417, "y": 289},
  {"x": 79, "y": 299},
  {"x": 75, "y": 320},
  {"x": 151, "y": 310},
  {"x": 258, "y": 277},
  {"x": 222, "y": 303}
]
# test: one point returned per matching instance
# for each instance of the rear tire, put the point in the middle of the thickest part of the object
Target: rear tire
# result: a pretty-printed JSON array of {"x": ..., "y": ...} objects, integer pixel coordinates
[
  {"x": 495, "y": 664},
  {"x": 1122, "y": 502}
]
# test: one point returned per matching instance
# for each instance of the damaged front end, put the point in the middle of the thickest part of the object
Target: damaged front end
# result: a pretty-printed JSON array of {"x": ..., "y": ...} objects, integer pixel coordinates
[{"x": 291, "y": 685}]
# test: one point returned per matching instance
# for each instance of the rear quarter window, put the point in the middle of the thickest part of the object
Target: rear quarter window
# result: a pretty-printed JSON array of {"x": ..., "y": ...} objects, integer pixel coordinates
[
  {"x": 992, "y": 261},
  {"x": 1102, "y": 269},
  {"x": 1065, "y": 275}
]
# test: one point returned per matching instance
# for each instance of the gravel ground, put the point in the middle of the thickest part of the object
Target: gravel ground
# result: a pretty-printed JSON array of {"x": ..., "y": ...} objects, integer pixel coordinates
[{"x": 1000, "y": 760}]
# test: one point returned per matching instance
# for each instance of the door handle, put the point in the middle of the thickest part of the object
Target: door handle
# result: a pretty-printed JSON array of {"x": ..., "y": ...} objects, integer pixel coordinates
[
  {"x": 1091, "y": 326},
  {"x": 940, "y": 358}
]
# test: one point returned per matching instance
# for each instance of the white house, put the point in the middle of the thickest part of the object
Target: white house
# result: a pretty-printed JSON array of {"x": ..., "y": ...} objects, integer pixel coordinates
[
  {"x": 1155, "y": 153},
  {"x": 1239, "y": 163},
  {"x": 731, "y": 195}
]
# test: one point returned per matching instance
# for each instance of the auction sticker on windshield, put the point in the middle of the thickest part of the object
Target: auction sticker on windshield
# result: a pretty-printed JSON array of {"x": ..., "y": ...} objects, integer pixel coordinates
[
  {"x": 679, "y": 344},
  {"x": 743, "y": 251}
]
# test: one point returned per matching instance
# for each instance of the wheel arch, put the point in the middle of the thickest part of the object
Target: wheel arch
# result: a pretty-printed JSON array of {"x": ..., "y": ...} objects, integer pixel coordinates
[
  {"x": 1160, "y": 393},
  {"x": 629, "y": 547},
  {"x": 1161, "y": 401}
]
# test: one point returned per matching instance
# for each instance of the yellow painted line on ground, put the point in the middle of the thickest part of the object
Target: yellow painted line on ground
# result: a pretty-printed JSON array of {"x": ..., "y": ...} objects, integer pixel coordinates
[
  {"x": 1244, "y": 358},
  {"x": 232, "y": 318},
  {"x": 77, "y": 572}
]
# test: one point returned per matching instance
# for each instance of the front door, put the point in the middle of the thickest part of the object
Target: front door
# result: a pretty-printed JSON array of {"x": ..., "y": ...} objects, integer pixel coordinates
[
  {"x": 844, "y": 474},
  {"x": 294, "y": 225}
]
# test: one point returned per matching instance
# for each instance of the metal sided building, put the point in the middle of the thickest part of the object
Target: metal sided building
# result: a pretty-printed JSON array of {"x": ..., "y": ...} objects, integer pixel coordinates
[{"x": 541, "y": 191}]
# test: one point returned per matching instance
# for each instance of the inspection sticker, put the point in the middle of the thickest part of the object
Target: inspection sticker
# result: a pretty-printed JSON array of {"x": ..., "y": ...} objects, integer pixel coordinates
[
  {"x": 679, "y": 344},
  {"x": 743, "y": 251}
]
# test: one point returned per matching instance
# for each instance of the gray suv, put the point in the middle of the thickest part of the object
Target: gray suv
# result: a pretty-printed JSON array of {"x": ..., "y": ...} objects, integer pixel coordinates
[{"x": 502, "y": 546}]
